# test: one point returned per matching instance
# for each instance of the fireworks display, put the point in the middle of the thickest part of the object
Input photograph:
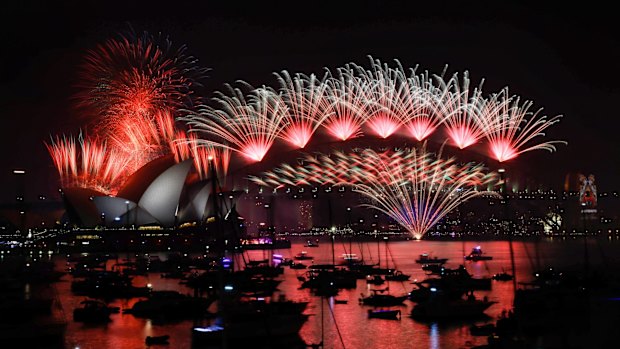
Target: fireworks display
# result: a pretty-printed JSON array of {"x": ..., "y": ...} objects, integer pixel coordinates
[
  {"x": 87, "y": 163},
  {"x": 128, "y": 82},
  {"x": 412, "y": 186},
  {"x": 348, "y": 106},
  {"x": 141, "y": 91},
  {"x": 515, "y": 129},
  {"x": 249, "y": 126},
  {"x": 381, "y": 87},
  {"x": 380, "y": 99},
  {"x": 135, "y": 75},
  {"x": 131, "y": 86},
  {"x": 465, "y": 122},
  {"x": 305, "y": 105}
]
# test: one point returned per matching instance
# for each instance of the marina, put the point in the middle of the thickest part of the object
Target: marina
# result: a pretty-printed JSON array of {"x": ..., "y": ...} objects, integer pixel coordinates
[{"x": 132, "y": 323}]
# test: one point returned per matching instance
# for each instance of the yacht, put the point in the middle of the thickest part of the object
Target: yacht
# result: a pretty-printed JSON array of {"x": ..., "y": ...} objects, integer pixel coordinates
[{"x": 476, "y": 254}]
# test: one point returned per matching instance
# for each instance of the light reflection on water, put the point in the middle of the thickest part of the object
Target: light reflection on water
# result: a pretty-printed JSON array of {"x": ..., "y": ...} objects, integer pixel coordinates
[
  {"x": 434, "y": 336},
  {"x": 357, "y": 331}
]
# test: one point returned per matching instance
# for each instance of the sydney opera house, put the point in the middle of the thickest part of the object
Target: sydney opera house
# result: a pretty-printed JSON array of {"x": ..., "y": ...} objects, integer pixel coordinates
[{"x": 162, "y": 194}]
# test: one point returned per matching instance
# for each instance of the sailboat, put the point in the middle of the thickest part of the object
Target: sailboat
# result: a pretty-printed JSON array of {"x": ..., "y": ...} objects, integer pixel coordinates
[
  {"x": 327, "y": 279},
  {"x": 252, "y": 320},
  {"x": 476, "y": 254},
  {"x": 241, "y": 317},
  {"x": 439, "y": 307},
  {"x": 380, "y": 298},
  {"x": 395, "y": 275}
]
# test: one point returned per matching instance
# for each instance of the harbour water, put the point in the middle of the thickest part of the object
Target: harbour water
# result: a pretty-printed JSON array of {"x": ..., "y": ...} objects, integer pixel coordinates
[{"x": 347, "y": 325}]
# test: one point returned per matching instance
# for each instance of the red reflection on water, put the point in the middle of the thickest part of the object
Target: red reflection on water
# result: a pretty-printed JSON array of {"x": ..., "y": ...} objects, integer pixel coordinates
[{"x": 351, "y": 319}]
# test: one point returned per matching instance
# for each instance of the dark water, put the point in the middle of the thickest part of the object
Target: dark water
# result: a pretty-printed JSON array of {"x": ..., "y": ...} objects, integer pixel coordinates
[{"x": 356, "y": 330}]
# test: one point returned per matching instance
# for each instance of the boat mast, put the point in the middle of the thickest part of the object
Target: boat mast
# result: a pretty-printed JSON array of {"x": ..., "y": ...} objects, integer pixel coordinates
[
  {"x": 512, "y": 254},
  {"x": 378, "y": 250},
  {"x": 387, "y": 261},
  {"x": 221, "y": 252},
  {"x": 331, "y": 228}
]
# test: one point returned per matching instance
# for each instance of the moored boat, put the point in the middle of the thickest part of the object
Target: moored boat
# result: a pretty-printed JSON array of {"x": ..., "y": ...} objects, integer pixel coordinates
[
  {"x": 303, "y": 255},
  {"x": 437, "y": 308},
  {"x": 503, "y": 276},
  {"x": 170, "y": 305},
  {"x": 92, "y": 311},
  {"x": 425, "y": 258},
  {"x": 476, "y": 254},
  {"x": 245, "y": 321},
  {"x": 312, "y": 243},
  {"x": 298, "y": 266},
  {"x": 379, "y": 299},
  {"x": 156, "y": 340},
  {"x": 397, "y": 276},
  {"x": 384, "y": 314}
]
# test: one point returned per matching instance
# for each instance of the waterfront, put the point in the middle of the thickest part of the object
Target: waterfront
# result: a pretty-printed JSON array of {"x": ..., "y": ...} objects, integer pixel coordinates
[{"x": 127, "y": 331}]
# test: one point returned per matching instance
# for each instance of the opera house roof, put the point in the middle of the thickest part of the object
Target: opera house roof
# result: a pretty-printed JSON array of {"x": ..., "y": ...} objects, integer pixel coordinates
[{"x": 157, "y": 194}]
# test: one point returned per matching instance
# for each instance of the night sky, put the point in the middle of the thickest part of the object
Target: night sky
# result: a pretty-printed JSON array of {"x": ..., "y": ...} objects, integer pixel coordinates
[{"x": 565, "y": 59}]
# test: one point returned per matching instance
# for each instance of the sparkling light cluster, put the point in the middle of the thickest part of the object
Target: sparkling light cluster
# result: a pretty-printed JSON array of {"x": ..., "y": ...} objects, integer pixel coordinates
[
  {"x": 412, "y": 186},
  {"x": 247, "y": 126},
  {"x": 381, "y": 100},
  {"x": 131, "y": 87},
  {"x": 137, "y": 75},
  {"x": 87, "y": 163}
]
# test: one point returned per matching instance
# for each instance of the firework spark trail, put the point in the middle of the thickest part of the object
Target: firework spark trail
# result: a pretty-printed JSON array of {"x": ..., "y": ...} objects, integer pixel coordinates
[
  {"x": 421, "y": 103},
  {"x": 166, "y": 129},
  {"x": 412, "y": 187},
  {"x": 516, "y": 128},
  {"x": 223, "y": 155},
  {"x": 89, "y": 165},
  {"x": 418, "y": 202},
  {"x": 349, "y": 105},
  {"x": 486, "y": 112},
  {"x": 356, "y": 167},
  {"x": 143, "y": 139},
  {"x": 462, "y": 124},
  {"x": 93, "y": 156},
  {"x": 114, "y": 171},
  {"x": 306, "y": 106},
  {"x": 64, "y": 155},
  {"x": 199, "y": 154},
  {"x": 203, "y": 154},
  {"x": 249, "y": 127},
  {"x": 180, "y": 146},
  {"x": 380, "y": 87}
]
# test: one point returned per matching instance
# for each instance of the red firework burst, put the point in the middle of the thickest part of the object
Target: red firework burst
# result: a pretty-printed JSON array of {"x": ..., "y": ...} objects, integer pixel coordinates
[
  {"x": 421, "y": 127},
  {"x": 383, "y": 125},
  {"x": 87, "y": 163},
  {"x": 305, "y": 104},
  {"x": 136, "y": 75}
]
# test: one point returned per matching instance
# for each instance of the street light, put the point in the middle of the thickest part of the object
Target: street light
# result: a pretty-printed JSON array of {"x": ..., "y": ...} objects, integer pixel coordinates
[
  {"x": 21, "y": 173},
  {"x": 586, "y": 258},
  {"x": 502, "y": 176},
  {"x": 127, "y": 213},
  {"x": 502, "y": 182},
  {"x": 349, "y": 217}
]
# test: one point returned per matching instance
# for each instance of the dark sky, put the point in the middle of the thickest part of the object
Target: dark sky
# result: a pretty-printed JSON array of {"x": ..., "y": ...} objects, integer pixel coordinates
[{"x": 564, "y": 58}]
